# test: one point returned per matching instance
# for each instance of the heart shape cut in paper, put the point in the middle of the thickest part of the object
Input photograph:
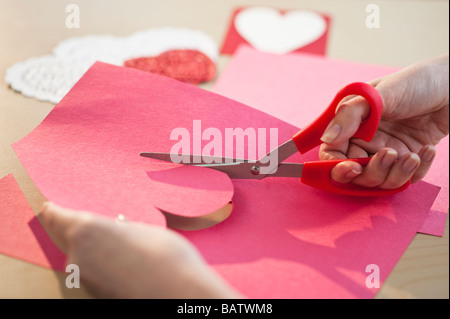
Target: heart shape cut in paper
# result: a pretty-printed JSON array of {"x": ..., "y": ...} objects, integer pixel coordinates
[
  {"x": 85, "y": 155},
  {"x": 269, "y": 30}
]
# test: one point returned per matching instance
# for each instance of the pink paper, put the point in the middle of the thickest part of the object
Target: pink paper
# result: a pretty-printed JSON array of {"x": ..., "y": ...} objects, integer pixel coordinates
[
  {"x": 434, "y": 224},
  {"x": 21, "y": 234},
  {"x": 188, "y": 184},
  {"x": 86, "y": 153},
  {"x": 287, "y": 240},
  {"x": 297, "y": 87},
  {"x": 283, "y": 239}
]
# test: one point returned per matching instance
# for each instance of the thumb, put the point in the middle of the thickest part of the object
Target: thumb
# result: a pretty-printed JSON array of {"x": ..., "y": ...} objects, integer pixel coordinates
[
  {"x": 350, "y": 113},
  {"x": 57, "y": 221}
]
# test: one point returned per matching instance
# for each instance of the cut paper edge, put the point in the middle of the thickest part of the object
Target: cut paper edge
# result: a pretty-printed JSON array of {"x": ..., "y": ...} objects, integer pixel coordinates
[
  {"x": 216, "y": 192},
  {"x": 197, "y": 223}
]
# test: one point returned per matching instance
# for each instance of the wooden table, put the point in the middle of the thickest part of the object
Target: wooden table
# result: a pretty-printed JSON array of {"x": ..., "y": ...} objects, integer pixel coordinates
[{"x": 409, "y": 31}]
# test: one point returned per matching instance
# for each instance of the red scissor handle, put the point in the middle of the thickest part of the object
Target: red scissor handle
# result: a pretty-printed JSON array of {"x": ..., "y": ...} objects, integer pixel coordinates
[
  {"x": 318, "y": 175},
  {"x": 309, "y": 137}
]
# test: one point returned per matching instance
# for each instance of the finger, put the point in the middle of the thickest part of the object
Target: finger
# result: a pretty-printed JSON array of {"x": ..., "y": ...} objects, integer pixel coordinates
[
  {"x": 376, "y": 172},
  {"x": 401, "y": 171},
  {"x": 372, "y": 175},
  {"x": 426, "y": 154},
  {"x": 57, "y": 222},
  {"x": 346, "y": 171},
  {"x": 348, "y": 149},
  {"x": 331, "y": 152},
  {"x": 347, "y": 120},
  {"x": 356, "y": 151}
]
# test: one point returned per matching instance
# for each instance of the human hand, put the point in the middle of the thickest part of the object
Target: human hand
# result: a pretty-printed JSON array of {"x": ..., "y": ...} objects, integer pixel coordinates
[
  {"x": 415, "y": 118},
  {"x": 131, "y": 260}
]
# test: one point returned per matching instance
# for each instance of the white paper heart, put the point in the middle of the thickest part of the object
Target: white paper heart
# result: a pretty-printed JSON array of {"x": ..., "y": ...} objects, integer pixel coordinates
[{"x": 268, "y": 30}]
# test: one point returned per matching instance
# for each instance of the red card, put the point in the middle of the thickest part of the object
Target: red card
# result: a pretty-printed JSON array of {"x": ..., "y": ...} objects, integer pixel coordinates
[
  {"x": 277, "y": 31},
  {"x": 21, "y": 234}
]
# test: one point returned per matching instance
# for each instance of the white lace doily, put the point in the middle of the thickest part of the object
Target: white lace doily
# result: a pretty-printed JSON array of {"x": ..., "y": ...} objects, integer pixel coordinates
[{"x": 50, "y": 77}]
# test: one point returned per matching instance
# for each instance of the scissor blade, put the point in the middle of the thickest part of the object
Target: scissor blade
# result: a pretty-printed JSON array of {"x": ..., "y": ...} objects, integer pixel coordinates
[
  {"x": 189, "y": 159},
  {"x": 287, "y": 170},
  {"x": 240, "y": 170},
  {"x": 282, "y": 152},
  {"x": 234, "y": 167},
  {"x": 247, "y": 170}
]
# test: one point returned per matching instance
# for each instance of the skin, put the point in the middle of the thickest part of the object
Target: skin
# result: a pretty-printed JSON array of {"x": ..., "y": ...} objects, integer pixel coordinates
[
  {"x": 415, "y": 118},
  {"x": 133, "y": 260}
]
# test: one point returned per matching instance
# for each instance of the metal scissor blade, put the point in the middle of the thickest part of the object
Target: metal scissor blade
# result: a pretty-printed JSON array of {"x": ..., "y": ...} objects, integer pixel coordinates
[
  {"x": 239, "y": 170},
  {"x": 282, "y": 152},
  {"x": 246, "y": 170},
  {"x": 235, "y": 168},
  {"x": 189, "y": 159},
  {"x": 287, "y": 170}
]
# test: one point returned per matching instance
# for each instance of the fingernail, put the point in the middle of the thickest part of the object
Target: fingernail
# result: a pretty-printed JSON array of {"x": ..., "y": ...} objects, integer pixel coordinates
[
  {"x": 388, "y": 159},
  {"x": 353, "y": 173},
  {"x": 411, "y": 163},
  {"x": 429, "y": 154},
  {"x": 331, "y": 133}
]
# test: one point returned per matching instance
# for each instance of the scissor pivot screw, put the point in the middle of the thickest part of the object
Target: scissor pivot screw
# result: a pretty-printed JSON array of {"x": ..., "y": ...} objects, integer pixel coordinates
[{"x": 255, "y": 170}]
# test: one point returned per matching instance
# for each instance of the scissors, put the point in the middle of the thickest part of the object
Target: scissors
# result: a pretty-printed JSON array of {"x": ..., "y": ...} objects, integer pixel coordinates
[{"x": 316, "y": 174}]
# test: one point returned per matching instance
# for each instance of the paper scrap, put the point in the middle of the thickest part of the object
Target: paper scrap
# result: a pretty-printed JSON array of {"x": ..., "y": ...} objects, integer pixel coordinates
[{"x": 21, "y": 234}]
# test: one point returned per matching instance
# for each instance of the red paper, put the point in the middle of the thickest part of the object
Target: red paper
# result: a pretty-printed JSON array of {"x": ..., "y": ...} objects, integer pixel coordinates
[
  {"x": 21, "y": 234},
  {"x": 233, "y": 38},
  {"x": 301, "y": 86},
  {"x": 283, "y": 239}
]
